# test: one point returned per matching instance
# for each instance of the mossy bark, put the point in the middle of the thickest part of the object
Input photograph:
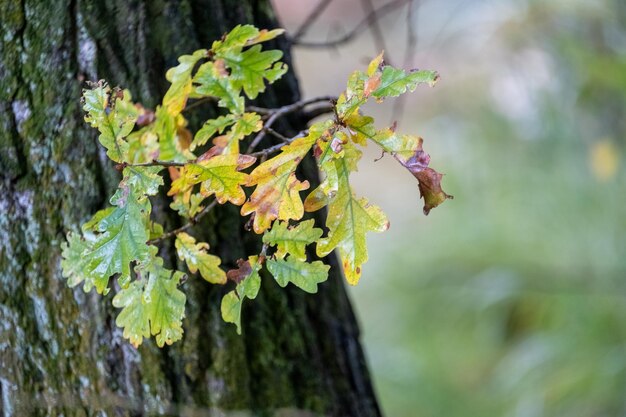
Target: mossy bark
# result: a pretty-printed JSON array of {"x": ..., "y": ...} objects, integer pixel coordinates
[{"x": 60, "y": 351}]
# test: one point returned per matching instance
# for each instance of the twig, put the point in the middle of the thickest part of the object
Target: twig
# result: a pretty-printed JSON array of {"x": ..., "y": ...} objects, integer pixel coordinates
[
  {"x": 276, "y": 134},
  {"x": 198, "y": 102},
  {"x": 310, "y": 19},
  {"x": 379, "y": 39},
  {"x": 267, "y": 151},
  {"x": 281, "y": 111},
  {"x": 186, "y": 226},
  {"x": 409, "y": 52},
  {"x": 367, "y": 21},
  {"x": 154, "y": 163},
  {"x": 313, "y": 112}
]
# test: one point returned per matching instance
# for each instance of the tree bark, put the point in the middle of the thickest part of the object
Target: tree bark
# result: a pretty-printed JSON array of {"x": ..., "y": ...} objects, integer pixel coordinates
[{"x": 60, "y": 351}]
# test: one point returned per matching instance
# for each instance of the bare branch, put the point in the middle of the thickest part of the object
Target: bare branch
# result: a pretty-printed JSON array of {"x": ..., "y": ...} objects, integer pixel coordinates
[
  {"x": 363, "y": 24},
  {"x": 282, "y": 111},
  {"x": 268, "y": 151},
  {"x": 310, "y": 19},
  {"x": 379, "y": 39},
  {"x": 409, "y": 52},
  {"x": 154, "y": 163}
]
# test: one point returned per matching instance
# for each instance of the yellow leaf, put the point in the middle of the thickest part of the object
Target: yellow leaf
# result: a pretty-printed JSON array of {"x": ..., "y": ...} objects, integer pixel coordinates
[{"x": 277, "y": 195}]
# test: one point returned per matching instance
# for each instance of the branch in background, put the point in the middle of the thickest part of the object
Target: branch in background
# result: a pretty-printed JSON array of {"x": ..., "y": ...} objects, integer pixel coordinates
[
  {"x": 363, "y": 24},
  {"x": 319, "y": 110},
  {"x": 379, "y": 39},
  {"x": 281, "y": 111},
  {"x": 195, "y": 219},
  {"x": 310, "y": 19},
  {"x": 409, "y": 53}
]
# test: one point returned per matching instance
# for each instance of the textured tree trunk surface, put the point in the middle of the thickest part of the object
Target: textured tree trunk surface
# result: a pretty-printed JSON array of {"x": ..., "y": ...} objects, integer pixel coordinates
[{"x": 60, "y": 351}]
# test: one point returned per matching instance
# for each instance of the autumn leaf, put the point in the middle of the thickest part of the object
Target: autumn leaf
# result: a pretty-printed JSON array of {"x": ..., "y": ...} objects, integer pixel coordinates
[
  {"x": 292, "y": 239},
  {"x": 304, "y": 275},
  {"x": 348, "y": 221},
  {"x": 176, "y": 96},
  {"x": 113, "y": 116},
  {"x": 249, "y": 69},
  {"x": 120, "y": 238},
  {"x": 152, "y": 305},
  {"x": 219, "y": 175},
  {"x": 210, "y": 81},
  {"x": 396, "y": 81},
  {"x": 197, "y": 258},
  {"x": 277, "y": 193},
  {"x": 406, "y": 149},
  {"x": 248, "y": 284},
  {"x": 210, "y": 128}
]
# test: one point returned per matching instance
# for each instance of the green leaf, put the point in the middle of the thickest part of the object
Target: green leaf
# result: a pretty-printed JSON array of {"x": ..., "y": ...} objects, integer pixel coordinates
[
  {"x": 265, "y": 35},
  {"x": 122, "y": 238},
  {"x": 250, "y": 68},
  {"x": 242, "y": 126},
  {"x": 350, "y": 101},
  {"x": 348, "y": 221},
  {"x": 396, "y": 81},
  {"x": 236, "y": 38},
  {"x": 304, "y": 275},
  {"x": 172, "y": 137},
  {"x": 176, "y": 96},
  {"x": 74, "y": 263},
  {"x": 92, "y": 224},
  {"x": 292, "y": 240},
  {"x": 146, "y": 180},
  {"x": 248, "y": 285},
  {"x": 210, "y": 128},
  {"x": 213, "y": 81},
  {"x": 113, "y": 116},
  {"x": 152, "y": 307},
  {"x": 197, "y": 259}
]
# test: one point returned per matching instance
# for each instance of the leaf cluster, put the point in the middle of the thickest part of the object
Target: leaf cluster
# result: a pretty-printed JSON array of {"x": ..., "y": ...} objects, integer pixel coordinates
[{"x": 208, "y": 168}]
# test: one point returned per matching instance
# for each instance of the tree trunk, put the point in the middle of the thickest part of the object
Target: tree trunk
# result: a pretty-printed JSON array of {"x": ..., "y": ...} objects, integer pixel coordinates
[{"x": 60, "y": 351}]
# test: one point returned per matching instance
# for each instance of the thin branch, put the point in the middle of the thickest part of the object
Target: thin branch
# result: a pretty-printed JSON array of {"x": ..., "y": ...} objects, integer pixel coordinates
[
  {"x": 154, "y": 163},
  {"x": 260, "y": 110},
  {"x": 363, "y": 24},
  {"x": 310, "y": 19},
  {"x": 198, "y": 102},
  {"x": 195, "y": 219},
  {"x": 377, "y": 33},
  {"x": 409, "y": 52},
  {"x": 268, "y": 151},
  {"x": 281, "y": 111},
  {"x": 313, "y": 112},
  {"x": 276, "y": 134}
]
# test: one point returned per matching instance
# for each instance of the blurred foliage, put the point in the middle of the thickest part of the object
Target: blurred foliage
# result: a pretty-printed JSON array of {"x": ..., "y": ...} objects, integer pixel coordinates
[{"x": 519, "y": 305}]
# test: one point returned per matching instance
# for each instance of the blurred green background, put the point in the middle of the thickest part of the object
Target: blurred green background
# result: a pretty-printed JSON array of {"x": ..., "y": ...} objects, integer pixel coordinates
[{"x": 509, "y": 300}]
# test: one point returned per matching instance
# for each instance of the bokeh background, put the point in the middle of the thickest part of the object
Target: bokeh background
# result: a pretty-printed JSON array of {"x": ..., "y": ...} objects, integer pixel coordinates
[{"x": 509, "y": 300}]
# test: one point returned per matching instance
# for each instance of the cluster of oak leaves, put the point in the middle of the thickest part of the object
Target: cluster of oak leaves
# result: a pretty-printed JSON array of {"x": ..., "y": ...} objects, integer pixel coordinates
[{"x": 120, "y": 240}]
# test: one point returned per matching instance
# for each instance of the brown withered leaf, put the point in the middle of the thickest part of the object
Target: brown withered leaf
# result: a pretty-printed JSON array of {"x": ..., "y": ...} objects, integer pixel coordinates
[
  {"x": 242, "y": 272},
  {"x": 429, "y": 180},
  {"x": 430, "y": 189}
]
